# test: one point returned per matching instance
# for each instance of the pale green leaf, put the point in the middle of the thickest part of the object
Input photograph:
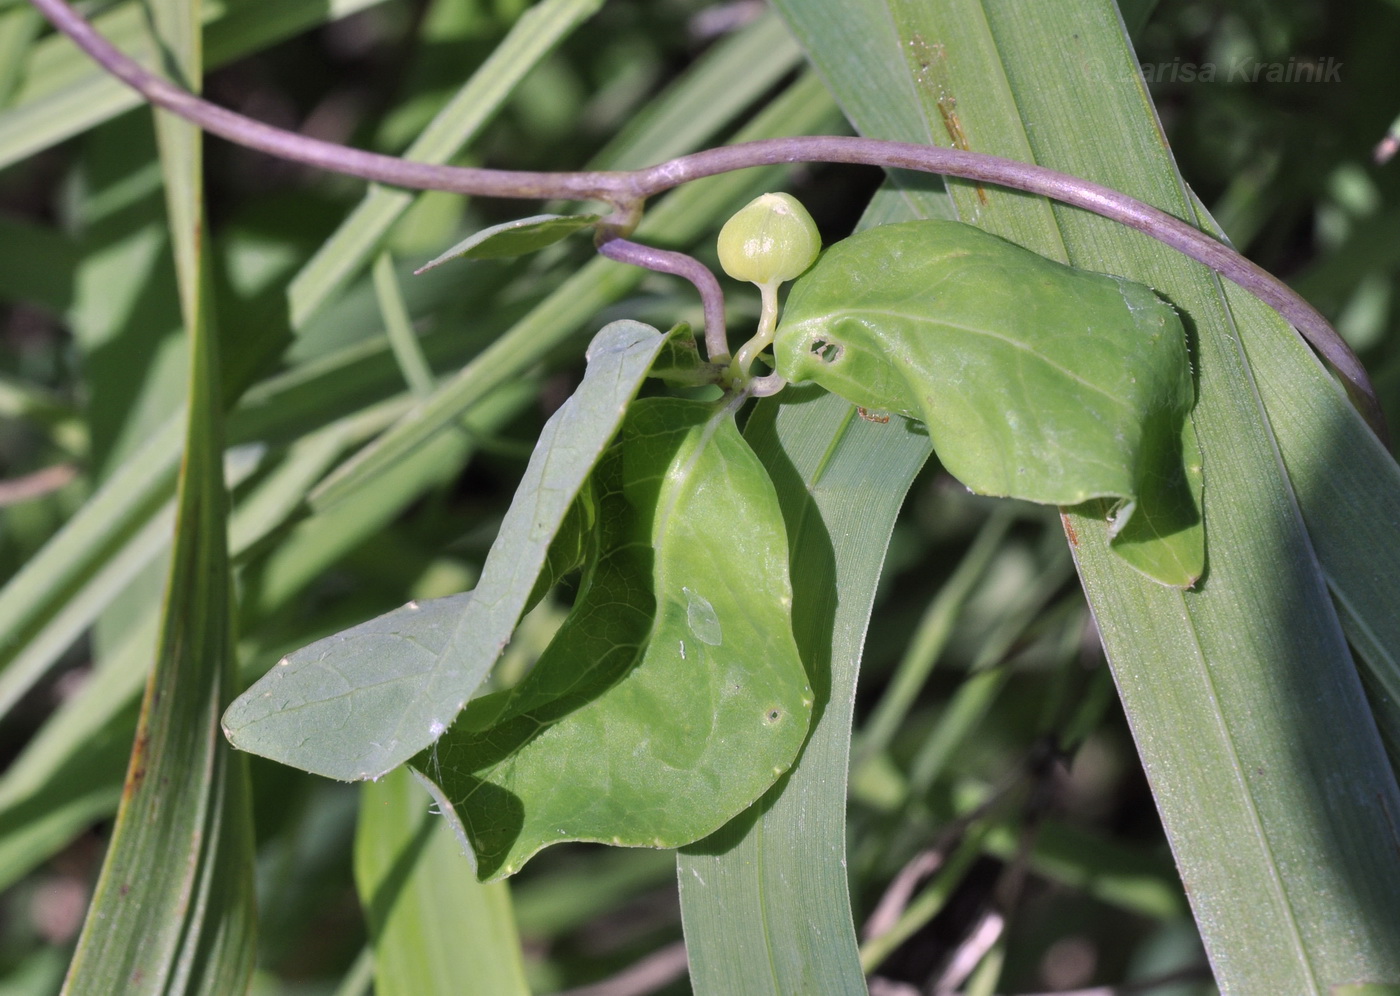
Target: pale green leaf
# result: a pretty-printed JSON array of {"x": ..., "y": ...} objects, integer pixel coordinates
[
  {"x": 340, "y": 708},
  {"x": 408, "y": 352},
  {"x": 840, "y": 481},
  {"x": 173, "y": 909},
  {"x": 18, "y": 28}
]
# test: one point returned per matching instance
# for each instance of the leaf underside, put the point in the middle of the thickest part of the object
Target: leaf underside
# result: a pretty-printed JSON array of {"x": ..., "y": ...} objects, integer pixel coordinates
[{"x": 358, "y": 704}]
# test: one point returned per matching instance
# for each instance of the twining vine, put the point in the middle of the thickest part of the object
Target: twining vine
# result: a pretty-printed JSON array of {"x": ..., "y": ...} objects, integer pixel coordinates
[{"x": 627, "y": 191}]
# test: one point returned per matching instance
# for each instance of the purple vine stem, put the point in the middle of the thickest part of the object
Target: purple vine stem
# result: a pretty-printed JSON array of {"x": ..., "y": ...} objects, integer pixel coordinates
[
  {"x": 679, "y": 264},
  {"x": 626, "y": 191}
]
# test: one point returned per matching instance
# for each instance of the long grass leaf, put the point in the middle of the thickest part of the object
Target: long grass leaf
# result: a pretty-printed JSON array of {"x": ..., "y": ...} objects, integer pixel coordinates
[
  {"x": 1241, "y": 693},
  {"x": 435, "y": 930},
  {"x": 173, "y": 910},
  {"x": 533, "y": 37}
]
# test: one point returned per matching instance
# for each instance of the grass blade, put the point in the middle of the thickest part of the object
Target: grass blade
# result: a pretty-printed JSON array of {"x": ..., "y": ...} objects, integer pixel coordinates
[
  {"x": 1242, "y": 695},
  {"x": 181, "y": 851},
  {"x": 434, "y": 928}
]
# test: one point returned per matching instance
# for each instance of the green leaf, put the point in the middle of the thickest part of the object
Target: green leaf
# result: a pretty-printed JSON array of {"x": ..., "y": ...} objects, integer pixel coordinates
[
  {"x": 1348, "y": 487},
  {"x": 431, "y": 923},
  {"x": 291, "y": 402},
  {"x": 673, "y": 695},
  {"x": 1165, "y": 537},
  {"x": 515, "y": 238},
  {"x": 358, "y": 704},
  {"x": 1035, "y": 380},
  {"x": 681, "y": 365},
  {"x": 765, "y": 900},
  {"x": 173, "y": 910},
  {"x": 1241, "y": 695}
]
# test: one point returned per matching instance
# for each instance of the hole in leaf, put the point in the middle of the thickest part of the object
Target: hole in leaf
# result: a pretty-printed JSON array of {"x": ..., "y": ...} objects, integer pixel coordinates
[
  {"x": 827, "y": 352},
  {"x": 773, "y": 715}
]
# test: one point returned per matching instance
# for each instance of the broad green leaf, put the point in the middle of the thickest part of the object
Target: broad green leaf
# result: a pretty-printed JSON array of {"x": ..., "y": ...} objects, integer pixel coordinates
[
  {"x": 674, "y": 695},
  {"x": 344, "y": 708},
  {"x": 1035, "y": 380},
  {"x": 515, "y": 238},
  {"x": 432, "y": 925},
  {"x": 765, "y": 900},
  {"x": 298, "y": 400},
  {"x": 284, "y": 405}
]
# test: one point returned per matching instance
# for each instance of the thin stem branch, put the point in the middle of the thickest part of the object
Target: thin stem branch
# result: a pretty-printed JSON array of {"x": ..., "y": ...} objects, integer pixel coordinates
[
  {"x": 627, "y": 190},
  {"x": 680, "y": 265},
  {"x": 763, "y": 338},
  {"x": 615, "y": 188}
]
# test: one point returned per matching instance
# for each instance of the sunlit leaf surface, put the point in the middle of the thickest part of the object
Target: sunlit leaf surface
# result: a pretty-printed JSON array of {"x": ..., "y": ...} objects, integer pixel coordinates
[{"x": 1036, "y": 380}]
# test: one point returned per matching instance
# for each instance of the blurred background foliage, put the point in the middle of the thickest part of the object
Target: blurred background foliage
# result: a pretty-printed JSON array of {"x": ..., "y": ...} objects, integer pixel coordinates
[{"x": 986, "y": 718}]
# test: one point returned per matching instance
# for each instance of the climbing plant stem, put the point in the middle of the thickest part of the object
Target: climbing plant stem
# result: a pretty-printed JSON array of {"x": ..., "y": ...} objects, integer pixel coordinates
[{"x": 626, "y": 190}]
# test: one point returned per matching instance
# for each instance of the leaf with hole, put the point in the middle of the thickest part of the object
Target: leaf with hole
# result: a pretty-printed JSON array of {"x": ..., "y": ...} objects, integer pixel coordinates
[
  {"x": 1036, "y": 380},
  {"x": 674, "y": 695}
]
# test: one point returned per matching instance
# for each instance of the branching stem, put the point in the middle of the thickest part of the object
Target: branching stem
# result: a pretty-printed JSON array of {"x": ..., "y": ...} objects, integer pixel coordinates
[{"x": 626, "y": 190}]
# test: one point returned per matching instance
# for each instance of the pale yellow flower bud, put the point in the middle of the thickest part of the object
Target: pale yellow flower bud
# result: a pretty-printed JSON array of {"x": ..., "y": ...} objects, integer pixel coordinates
[{"x": 770, "y": 240}]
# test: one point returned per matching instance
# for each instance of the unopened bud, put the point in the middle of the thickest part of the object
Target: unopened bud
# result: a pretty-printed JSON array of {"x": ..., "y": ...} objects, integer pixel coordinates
[{"x": 772, "y": 239}]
